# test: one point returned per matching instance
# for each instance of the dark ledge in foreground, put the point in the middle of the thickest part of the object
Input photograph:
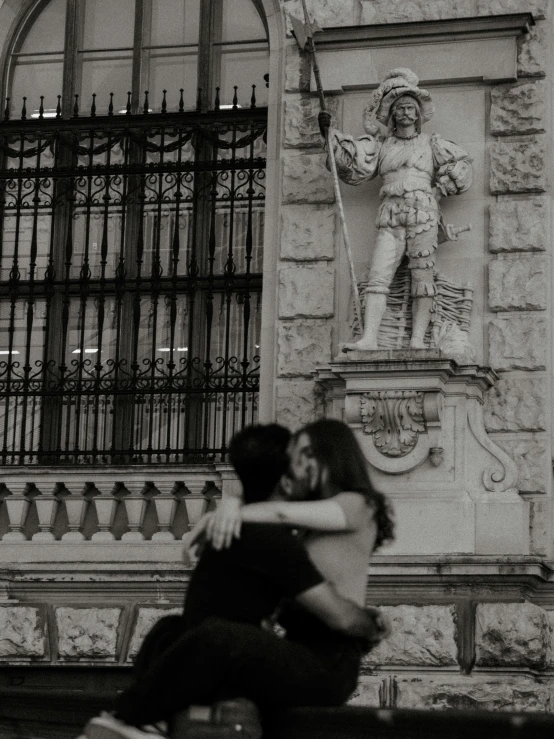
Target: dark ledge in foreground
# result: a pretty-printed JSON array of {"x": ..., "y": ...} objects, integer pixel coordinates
[{"x": 61, "y": 714}]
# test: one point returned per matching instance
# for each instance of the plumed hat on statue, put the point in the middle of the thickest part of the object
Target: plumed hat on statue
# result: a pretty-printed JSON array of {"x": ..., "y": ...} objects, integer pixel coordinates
[{"x": 398, "y": 82}]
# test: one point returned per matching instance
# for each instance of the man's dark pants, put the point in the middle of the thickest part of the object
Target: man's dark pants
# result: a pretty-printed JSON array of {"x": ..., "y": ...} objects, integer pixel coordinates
[{"x": 221, "y": 660}]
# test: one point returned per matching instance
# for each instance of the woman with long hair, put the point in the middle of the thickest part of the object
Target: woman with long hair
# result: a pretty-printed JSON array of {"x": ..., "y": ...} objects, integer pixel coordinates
[{"x": 329, "y": 496}]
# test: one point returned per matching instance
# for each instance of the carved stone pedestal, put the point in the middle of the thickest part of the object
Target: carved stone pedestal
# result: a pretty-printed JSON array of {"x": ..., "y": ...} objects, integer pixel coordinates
[{"x": 419, "y": 419}]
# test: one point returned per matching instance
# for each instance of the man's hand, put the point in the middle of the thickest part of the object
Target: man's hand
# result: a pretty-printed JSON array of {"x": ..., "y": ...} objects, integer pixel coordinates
[
  {"x": 382, "y": 625},
  {"x": 324, "y": 120},
  {"x": 341, "y": 614},
  {"x": 224, "y": 524}
]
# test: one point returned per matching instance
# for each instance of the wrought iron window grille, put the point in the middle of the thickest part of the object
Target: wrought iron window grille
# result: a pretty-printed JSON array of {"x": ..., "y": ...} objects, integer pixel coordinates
[{"x": 130, "y": 282}]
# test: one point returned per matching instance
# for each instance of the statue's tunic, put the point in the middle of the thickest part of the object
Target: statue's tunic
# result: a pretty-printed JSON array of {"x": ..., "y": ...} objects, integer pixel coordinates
[{"x": 409, "y": 215}]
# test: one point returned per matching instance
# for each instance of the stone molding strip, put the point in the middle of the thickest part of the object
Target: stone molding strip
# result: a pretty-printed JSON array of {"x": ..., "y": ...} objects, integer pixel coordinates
[{"x": 397, "y": 34}]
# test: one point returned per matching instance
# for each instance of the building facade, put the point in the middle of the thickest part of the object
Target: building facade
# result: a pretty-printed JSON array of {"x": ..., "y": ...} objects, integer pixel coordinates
[{"x": 172, "y": 268}]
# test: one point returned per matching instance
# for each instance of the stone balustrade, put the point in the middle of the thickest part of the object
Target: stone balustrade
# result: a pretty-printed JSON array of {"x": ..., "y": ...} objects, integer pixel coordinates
[{"x": 123, "y": 505}]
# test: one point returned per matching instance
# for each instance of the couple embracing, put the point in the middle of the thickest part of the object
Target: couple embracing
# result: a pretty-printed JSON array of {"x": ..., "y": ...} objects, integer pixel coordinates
[{"x": 294, "y": 549}]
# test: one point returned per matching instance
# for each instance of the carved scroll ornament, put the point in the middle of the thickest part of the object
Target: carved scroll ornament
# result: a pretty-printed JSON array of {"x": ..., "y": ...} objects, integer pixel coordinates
[
  {"x": 404, "y": 426},
  {"x": 395, "y": 418}
]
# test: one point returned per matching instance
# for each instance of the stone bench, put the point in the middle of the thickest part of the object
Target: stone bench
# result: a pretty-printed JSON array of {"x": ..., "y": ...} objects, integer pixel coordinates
[
  {"x": 354, "y": 722},
  {"x": 62, "y": 714}
]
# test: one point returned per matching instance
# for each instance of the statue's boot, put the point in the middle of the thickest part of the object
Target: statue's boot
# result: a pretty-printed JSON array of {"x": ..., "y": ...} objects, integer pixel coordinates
[
  {"x": 375, "y": 306},
  {"x": 421, "y": 313}
]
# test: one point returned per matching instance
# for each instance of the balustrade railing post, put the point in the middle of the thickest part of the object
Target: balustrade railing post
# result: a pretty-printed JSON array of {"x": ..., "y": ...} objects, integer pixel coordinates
[
  {"x": 166, "y": 505},
  {"x": 17, "y": 506},
  {"x": 135, "y": 507},
  {"x": 106, "y": 506},
  {"x": 76, "y": 507},
  {"x": 47, "y": 507},
  {"x": 195, "y": 502},
  {"x": 230, "y": 484}
]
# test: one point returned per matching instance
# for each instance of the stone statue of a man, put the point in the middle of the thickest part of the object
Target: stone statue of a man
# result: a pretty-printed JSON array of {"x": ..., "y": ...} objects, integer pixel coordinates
[{"x": 416, "y": 169}]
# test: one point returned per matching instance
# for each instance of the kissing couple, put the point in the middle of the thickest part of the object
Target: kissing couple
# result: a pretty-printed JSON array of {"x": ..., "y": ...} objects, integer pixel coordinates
[{"x": 275, "y": 611}]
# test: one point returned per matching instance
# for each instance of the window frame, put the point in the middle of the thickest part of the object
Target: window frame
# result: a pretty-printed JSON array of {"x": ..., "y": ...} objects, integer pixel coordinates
[
  {"x": 207, "y": 74},
  {"x": 52, "y": 343}
]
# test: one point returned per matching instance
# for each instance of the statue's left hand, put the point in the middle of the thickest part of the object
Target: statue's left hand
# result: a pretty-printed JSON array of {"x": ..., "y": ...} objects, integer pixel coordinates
[
  {"x": 446, "y": 185},
  {"x": 451, "y": 232}
]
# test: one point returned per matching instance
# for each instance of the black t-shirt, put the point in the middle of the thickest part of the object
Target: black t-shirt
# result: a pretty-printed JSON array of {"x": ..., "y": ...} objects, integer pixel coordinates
[{"x": 247, "y": 581}]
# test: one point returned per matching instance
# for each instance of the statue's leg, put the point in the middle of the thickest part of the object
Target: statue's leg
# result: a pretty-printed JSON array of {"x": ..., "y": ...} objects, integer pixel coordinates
[
  {"x": 388, "y": 253},
  {"x": 421, "y": 253},
  {"x": 421, "y": 315}
]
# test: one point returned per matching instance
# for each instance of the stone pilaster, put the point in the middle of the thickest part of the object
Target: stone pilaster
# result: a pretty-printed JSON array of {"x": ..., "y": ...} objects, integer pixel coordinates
[
  {"x": 306, "y": 179},
  {"x": 297, "y": 70},
  {"x": 518, "y": 280},
  {"x": 306, "y": 273}
]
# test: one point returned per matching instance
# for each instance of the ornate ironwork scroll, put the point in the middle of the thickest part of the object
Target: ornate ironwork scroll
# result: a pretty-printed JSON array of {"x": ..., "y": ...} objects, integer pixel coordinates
[{"x": 130, "y": 285}]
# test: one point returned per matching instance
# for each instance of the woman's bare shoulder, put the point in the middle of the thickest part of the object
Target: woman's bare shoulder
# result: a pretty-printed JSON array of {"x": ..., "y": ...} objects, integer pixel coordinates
[{"x": 356, "y": 507}]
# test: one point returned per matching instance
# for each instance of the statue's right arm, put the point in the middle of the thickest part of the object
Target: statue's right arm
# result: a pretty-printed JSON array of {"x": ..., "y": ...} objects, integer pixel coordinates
[{"x": 357, "y": 159}]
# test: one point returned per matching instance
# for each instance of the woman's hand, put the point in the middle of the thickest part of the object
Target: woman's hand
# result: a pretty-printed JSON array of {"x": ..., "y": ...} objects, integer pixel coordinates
[
  {"x": 195, "y": 538},
  {"x": 224, "y": 524}
]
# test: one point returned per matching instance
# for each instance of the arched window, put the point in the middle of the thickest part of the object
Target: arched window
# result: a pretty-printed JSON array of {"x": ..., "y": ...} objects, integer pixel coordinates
[
  {"x": 131, "y": 230},
  {"x": 86, "y": 47}
]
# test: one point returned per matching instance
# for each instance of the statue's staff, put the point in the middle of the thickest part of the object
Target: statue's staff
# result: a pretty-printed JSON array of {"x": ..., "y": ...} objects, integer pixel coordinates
[{"x": 304, "y": 35}]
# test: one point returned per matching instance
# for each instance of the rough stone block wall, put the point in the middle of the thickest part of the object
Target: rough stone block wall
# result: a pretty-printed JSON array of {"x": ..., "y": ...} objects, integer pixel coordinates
[
  {"x": 308, "y": 234},
  {"x": 519, "y": 272},
  {"x": 454, "y": 672},
  {"x": 59, "y": 635},
  {"x": 429, "y": 660}
]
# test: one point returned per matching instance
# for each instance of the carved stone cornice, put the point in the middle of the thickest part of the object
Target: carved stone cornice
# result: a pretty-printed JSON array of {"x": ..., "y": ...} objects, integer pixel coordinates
[{"x": 391, "y": 34}]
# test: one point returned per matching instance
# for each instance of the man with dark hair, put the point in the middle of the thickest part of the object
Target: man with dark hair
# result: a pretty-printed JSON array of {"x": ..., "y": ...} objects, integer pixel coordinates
[
  {"x": 259, "y": 456},
  {"x": 221, "y": 651}
]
